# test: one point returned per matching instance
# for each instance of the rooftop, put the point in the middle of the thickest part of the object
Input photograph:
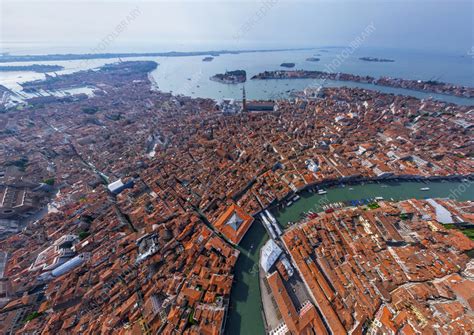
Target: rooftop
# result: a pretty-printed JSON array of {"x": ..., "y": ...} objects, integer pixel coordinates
[{"x": 234, "y": 223}]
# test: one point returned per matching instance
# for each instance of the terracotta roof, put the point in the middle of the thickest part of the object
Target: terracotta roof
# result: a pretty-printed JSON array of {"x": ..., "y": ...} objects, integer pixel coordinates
[{"x": 234, "y": 223}]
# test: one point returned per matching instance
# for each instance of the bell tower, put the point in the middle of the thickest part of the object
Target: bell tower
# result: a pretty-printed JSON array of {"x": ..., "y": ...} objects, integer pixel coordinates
[{"x": 244, "y": 100}]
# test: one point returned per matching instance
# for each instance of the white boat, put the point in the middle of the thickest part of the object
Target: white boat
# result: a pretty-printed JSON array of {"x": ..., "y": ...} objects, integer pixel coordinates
[
  {"x": 322, "y": 191},
  {"x": 378, "y": 198},
  {"x": 424, "y": 189}
]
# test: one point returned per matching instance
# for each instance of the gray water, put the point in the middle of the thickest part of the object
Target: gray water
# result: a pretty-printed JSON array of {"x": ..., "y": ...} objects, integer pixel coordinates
[{"x": 190, "y": 75}]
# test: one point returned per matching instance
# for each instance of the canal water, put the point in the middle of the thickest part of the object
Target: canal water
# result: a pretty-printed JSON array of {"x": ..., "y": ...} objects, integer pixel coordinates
[{"x": 245, "y": 315}]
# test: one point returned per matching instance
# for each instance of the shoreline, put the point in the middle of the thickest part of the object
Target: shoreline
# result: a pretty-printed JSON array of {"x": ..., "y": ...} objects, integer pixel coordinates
[
  {"x": 461, "y": 91},
  {"x": 469, "y": 101},
  {"x": 37, "y": 68},
  {"x": 230, "y": 77},
  {"x": 89, "y": 56},
  {"x": 227, "y": 82}
]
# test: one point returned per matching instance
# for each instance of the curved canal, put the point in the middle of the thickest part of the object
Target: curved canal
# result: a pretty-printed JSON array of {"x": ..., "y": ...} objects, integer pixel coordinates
[{"x": 245, "y": 316}]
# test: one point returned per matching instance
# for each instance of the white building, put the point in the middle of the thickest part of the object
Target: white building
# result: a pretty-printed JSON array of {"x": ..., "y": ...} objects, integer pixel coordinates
[{"x": 270, "y": 253}]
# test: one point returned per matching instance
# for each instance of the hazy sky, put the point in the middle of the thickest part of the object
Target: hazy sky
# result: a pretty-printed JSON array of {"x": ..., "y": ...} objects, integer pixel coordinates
[{"x": 190, "y": 25}]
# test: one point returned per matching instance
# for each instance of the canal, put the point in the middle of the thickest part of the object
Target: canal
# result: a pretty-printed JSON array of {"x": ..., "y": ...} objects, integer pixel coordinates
[{"x": 245, "y": 315}]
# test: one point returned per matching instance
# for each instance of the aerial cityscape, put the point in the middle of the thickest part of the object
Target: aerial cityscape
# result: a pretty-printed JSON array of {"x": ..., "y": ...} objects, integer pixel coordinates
[{"x": 305, "y": 179}]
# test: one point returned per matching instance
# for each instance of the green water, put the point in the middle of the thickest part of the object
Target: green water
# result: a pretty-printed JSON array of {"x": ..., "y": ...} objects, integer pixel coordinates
[
  {"x": 245, "y": 306},
  {"x": 397, "y": 191},
  {"x": 245, "y": 310}
]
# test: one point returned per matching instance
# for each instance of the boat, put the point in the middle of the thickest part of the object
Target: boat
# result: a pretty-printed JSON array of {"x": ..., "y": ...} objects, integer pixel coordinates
[
  {"x": 296, "y": 197},
  {"x": 424, "y": 189},
  {"x": 351, "y": 189},
  {"x": 322, "y": 191},
  {"x": 378, "y": 198}
]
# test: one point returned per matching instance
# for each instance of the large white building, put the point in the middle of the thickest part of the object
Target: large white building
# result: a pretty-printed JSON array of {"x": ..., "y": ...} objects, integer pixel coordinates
[{"x": 270, "y": 253}]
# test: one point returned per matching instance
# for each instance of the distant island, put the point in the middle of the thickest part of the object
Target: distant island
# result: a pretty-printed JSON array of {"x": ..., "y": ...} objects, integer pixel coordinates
[
  {"x": 313, "y": 59},
  {"x": 109, "y": 74},
  {"x": 412, "y": 84},
  {"x": 41, "y": 68},
  {"x": 288, "y": 65},
  {"x": 230, "y": 77},
  {"x": 207, "y": 59},
  {"x": 8, "y": 58},
  {"x": 375, "y": 59}
]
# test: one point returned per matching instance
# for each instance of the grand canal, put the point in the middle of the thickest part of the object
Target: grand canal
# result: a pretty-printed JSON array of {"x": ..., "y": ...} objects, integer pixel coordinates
[{"x": 245, "y": 315}]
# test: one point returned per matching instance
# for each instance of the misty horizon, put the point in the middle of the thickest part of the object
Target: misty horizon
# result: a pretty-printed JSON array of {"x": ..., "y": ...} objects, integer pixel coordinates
[{"x": 161, "y": 26}]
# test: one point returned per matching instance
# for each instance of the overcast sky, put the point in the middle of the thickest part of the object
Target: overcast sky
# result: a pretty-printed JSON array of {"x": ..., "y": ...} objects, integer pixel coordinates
[{"x": 190, "y": 25}]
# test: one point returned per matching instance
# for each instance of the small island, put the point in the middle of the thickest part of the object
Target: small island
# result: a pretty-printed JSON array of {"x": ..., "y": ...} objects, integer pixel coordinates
[
  {"x": 313, "y": 59},
  {"x": 288, "y": 65},
  {"x": 375, "y": 59},
  {"x": 40, "y": 68},
  {"x": 207, "y": 59},
  {"x": 230, "y": 77}
]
